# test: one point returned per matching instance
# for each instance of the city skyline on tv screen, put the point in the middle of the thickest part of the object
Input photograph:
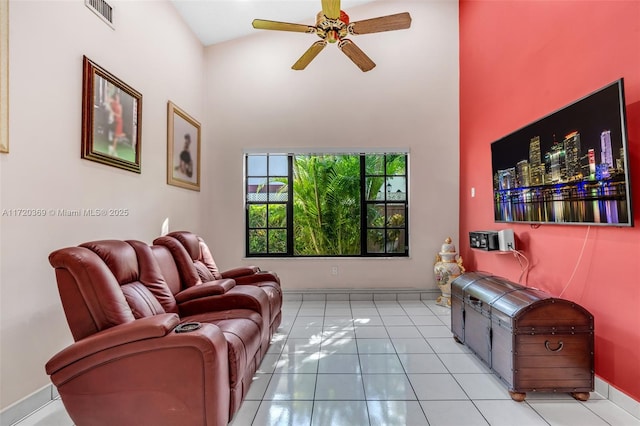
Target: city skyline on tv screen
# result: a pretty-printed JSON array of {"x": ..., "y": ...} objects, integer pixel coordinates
[{"x": 568, "y": 167}]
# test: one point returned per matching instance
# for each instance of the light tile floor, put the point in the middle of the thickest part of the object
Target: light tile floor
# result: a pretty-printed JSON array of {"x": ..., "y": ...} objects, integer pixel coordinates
[{"x": 364, "y": 363}]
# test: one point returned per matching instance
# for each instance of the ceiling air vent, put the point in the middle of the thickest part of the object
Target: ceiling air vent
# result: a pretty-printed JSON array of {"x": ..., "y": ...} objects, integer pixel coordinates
[{"x": 102, "y": 9}]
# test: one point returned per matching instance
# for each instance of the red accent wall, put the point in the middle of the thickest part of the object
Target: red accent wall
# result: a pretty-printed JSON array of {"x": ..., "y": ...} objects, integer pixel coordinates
[{"x": 519, "y": 61}]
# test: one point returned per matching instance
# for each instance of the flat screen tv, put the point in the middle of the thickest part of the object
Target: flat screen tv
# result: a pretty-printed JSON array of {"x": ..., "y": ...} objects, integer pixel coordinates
[{"x": 570, "y": 167}]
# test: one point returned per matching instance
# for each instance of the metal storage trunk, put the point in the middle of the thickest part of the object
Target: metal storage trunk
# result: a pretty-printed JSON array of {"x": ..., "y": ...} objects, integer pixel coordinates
[
  {"x": 457, "y": 301},
  {"x": 532, "y": 341}
]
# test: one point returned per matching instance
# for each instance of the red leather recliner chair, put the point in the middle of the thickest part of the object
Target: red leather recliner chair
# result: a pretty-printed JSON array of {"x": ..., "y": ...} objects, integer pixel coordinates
[
  {"x": 129, "y": 365},
  {"x": 207, "y": 269},
  {"x": 198, "y": 299}
]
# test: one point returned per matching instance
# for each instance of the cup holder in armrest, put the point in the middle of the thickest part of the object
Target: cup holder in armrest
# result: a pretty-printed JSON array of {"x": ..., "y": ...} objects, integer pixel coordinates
[{"x": 187, "y": 327}]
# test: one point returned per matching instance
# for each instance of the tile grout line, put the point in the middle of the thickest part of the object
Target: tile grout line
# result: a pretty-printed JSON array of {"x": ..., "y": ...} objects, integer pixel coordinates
[
  {"x": 364, "y": 389},
  {"x": 439, "y": 355},
  {"x": 407, "y": 374}
]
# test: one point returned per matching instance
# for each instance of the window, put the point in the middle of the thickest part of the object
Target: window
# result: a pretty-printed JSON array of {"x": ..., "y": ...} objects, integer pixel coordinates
[
  {"x": 268, "y": 204},
  {"x": 326, "y": 204},
  {"x": 386, "y": 202}
]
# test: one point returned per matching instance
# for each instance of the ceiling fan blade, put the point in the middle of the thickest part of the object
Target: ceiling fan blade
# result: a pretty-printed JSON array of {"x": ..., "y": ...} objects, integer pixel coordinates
[
  {"x": 399, "y": 21},
  {"x": 331, "y": 8},
  {"x": 308, "y": 56},
  {"x": 356, "y": 55},
  {"x": 262, "y": 24}
]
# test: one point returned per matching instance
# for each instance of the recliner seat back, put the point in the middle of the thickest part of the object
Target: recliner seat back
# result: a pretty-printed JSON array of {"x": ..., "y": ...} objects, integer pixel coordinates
[{"x": 102, "y": 284}]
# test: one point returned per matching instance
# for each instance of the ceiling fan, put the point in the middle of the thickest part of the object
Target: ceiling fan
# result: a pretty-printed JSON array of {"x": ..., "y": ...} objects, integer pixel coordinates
[{"x": 332, "y": 26}]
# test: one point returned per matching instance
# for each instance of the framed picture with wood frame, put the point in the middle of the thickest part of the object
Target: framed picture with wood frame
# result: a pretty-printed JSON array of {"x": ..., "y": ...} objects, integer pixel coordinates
[
  {"x": 183, "y": 149},
  {"x": 111, "y": 119},
  {"x": 4, "y": 76}
]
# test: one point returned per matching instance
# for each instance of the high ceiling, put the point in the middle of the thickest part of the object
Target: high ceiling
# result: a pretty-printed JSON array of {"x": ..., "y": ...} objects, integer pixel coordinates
[{"x": 215, "y": 21}]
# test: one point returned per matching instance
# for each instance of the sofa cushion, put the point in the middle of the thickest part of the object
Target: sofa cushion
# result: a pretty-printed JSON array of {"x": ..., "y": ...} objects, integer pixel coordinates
[
  {"x": 183, "y": 260},
  {"x": 190, "y": 243},
  {"x": 152, "y": 275},
  {"x": 168, "y": 268},
  {"x": 207, "y": 259},
  {"x": 91, "y": 296},
  {"x": 203, "y": 272},
  {"x": 119, "y": 257},
  {"x": 141, "y": 300},
  {"x": 241, "y": 328}
]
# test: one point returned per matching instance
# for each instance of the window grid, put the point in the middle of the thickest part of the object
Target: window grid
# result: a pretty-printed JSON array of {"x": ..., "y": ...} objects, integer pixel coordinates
[
  {"x": 386, "y": 211},
  {"x": 270, "y": 206},
  {"x": 267, "y": 206}
]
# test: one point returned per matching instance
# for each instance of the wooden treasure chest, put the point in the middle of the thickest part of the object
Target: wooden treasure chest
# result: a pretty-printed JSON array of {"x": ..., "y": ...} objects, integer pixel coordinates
[{"x": 532, "y": 341}]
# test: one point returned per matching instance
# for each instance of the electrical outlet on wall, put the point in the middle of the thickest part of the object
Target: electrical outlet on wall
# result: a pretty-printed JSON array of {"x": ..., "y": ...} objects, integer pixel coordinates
[
  {"x": 506, "y": 240},
  {"x": 334, "y": 270}
]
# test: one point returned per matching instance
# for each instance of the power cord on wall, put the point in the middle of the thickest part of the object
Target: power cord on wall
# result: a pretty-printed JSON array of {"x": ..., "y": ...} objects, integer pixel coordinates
[
  {"x": 575, "y": 269},
  {"x": 524, "y": 267}
]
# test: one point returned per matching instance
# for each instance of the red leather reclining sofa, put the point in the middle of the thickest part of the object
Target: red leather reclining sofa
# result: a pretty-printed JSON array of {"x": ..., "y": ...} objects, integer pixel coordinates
[{"x": 154, "y": 343}]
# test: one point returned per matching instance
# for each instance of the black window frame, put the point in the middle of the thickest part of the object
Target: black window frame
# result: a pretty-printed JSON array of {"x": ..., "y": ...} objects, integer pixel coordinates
[
  {"x": 365, "y": 227},
  {"x": 386, "y": 202}
]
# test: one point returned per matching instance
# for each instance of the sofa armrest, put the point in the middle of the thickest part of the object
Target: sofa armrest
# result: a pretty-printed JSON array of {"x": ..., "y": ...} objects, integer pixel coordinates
[
  {"x": 143, "y": 328},
  {"x": 241, "y": 297},
  {"x": 258, "y": 277},
  {"x": 209, "y": 288},
  {"x": 168, "y": 378},
  {"x": 240, "y": 271}
]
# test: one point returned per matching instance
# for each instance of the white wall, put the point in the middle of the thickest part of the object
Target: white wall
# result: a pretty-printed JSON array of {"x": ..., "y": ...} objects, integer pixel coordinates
[
  {"x": 409, "y": 100},
  {"x": 251, "y": 99},
  {"x": 151, "y": 50}
]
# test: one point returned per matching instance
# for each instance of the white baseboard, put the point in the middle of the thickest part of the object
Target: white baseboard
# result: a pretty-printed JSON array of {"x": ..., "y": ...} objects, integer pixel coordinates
[
  {"x": 346, "y": 294},
  {"x": 28, "y": 405},
  {"x": 619, "y": 398}
]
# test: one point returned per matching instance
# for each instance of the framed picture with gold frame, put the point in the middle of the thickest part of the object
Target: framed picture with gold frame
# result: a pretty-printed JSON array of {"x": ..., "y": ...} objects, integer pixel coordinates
[
  {"x": 183, "y": 148},
  {"x": 111, "y": 119},
  {"x": 4, "y": 76}
]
